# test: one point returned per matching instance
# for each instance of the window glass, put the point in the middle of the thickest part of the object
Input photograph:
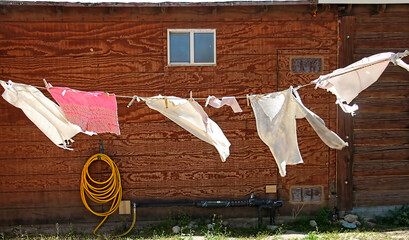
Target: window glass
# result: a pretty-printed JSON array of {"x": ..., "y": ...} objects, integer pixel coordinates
[
  {"x": 179, "y": 47},
  {"x": 203, "y": 47}
]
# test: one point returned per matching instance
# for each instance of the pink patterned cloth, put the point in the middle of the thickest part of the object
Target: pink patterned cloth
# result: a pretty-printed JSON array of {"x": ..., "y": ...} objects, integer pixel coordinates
[{"x": 92, "y": 111}]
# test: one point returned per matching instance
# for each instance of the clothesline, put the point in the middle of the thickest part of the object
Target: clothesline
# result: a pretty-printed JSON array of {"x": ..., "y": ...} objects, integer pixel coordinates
[
  {"x": 96, "y": 112},
  {"x": 394, "y": 58}
]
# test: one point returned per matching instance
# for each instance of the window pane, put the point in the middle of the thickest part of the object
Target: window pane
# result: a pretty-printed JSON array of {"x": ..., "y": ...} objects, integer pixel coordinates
[
  {"x": 179, "y": 47},
  {"x": 204, "y": 47}
]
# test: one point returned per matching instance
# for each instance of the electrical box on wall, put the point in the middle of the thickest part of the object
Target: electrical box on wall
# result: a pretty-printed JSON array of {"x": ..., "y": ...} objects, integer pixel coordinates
[
  {"x": 271, "y": 188},
  {"x": 125, "y": 207}
]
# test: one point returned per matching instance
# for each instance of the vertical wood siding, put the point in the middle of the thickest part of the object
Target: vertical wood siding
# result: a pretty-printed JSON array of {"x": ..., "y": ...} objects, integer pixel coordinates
[{"x": 123, "y": 51}]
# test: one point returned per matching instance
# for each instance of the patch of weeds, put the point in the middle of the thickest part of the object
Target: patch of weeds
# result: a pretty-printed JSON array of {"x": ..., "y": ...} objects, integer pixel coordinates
[
  {"x": 18, "y": 232},
  {"x": 311, "y": 236},
  {"x": 216, "y": 229},
  {"x": 300, "y": 224},
  {"x": 399, "y": 217},
  {"x": 322, "y": 218}
]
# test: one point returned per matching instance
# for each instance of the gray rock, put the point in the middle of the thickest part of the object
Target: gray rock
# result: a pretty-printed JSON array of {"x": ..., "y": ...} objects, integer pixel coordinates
[
  {"x": 313, "y": 223},
  {"x": 351, "y": 218},
  {"x": 209, "y": 226},
  {"x": 176, "y": 229},
  {"x": 271, "y": 227}
]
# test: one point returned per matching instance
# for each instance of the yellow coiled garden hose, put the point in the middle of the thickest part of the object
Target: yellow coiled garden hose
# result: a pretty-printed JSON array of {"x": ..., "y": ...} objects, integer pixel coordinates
[{"x": 103, "y": 192}]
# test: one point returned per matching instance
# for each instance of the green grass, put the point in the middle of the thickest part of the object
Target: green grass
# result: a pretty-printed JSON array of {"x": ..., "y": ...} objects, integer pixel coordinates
[{"x": 215, "y": 228}]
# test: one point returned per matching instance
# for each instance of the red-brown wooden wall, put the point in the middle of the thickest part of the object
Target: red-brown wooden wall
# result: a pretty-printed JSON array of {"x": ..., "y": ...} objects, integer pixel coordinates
[
  {"x": 380, "y": 168},
  {"x": 123, "y": 51}
]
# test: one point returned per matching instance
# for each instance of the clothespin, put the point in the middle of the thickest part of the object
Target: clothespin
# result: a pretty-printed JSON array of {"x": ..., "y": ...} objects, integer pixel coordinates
[
  {"x": 166, "y": 102},
  {"x": 133, "y": 99},
  {"x": 247, "y": 99},
  {"x": 46, "y": 84},
  {"x": 191, "y": 96}
]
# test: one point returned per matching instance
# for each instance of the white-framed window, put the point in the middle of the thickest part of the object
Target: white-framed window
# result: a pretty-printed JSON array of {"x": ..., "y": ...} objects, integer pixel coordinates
[{"x": 191, "y": 47}]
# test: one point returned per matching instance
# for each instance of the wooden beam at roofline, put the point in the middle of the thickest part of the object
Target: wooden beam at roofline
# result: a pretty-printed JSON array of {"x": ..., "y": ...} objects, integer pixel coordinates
[{"x": 156, "y": 4}]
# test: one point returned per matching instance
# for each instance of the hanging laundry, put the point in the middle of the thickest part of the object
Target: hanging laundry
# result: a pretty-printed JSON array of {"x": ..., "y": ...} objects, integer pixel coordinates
[
  {"x": 92, "y": 111},
  {"x": 346, "y": 83},
  {"x": 43, "y": 112},
  {"x": 190, "y": 115},
  {"x": 276, "y": 115},
  {"x": 229, "y": 101}
]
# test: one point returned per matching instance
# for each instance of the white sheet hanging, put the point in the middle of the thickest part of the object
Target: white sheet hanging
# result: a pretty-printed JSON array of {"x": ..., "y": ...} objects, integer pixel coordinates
[
  {"x": 346, "y": 83},
  {"x": 190, "y": 115},
  {"x": 43, "y": 112},
  {"x": 276, "y": 115}
]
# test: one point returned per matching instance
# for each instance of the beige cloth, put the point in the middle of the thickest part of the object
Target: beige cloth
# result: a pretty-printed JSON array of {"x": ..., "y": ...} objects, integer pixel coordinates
[
  {"x": 276, "y": 115},
  {"x": 346, "y": 83},
  {"x": 190, "y": 115},
  {"x": 43, "y": 112}
]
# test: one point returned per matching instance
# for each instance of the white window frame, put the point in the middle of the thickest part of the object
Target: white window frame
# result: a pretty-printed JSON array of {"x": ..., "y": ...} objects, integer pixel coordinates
[{"x": 191, "y": 47}]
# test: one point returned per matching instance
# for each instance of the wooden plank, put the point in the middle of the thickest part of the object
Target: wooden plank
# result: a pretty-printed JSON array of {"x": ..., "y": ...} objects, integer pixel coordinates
[
  {"x": 395, "y": 14},
  {"x": 395, "y": 42},
  {"x": 345, "y": 157},
  {"x": 379, "y": 198},
  {"x": 114, "y": 82},
  {"x": 231, "y": 63},
  {"x": 81, "y": 47},
  {"x": 376, "y": 28},
  {"x": 132, "y": 30},
  {"x": 276, "y": 29},
  {"x": 23, "y": 216},
  {"x": 130, "y": 83},
  {"x": 365, "y": 52},
  {"x": 131, "y": 164},
  {"x": 149, "y": 179},
  {"x": 81, "y": 30},
  {"x": 220, "y": 79},
  {"x": 38, "y": 166},
  {"x": 381, "y": 167},
  {"x": 125, "y": 64},
  {"x": 146, "y": 14},
  {"x": 385, "y": 105},
  {"x": 270, "y": 45},
  {"x": 381, "y": 152},
  {"x": 378, "y": 35},
  {"x": 382, "y": 90},
  {"x": 379, "y": 183},
  {"x": 397, "y": 120},
  {"x": 381, "y": 137},
  {"x": 83, "y": 64},
  {"x": 138, "y": 147}
]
